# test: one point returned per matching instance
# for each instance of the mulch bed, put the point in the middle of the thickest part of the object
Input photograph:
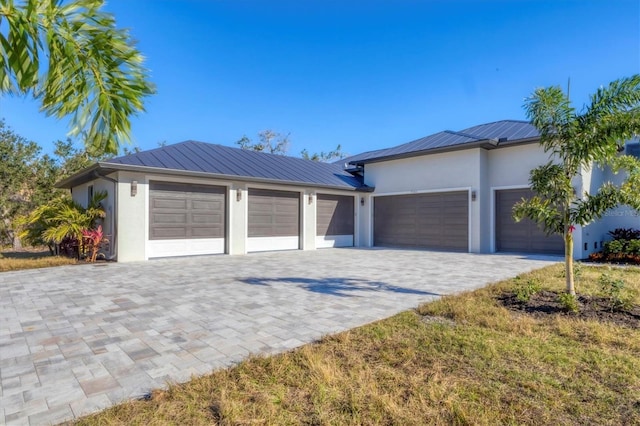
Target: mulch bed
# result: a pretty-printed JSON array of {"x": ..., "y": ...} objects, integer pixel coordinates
[{"x": 546, "y": 303}]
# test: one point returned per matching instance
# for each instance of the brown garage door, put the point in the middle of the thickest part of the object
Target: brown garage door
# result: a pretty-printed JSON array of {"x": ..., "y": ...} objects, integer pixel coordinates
[
  {"x": 180, "y": 211},
  {"x": 334, "y": 215},
  {"x": 524, "y": 236},
  {"x": 273, "y": 213},
  {"x": 437, "y": 221}
]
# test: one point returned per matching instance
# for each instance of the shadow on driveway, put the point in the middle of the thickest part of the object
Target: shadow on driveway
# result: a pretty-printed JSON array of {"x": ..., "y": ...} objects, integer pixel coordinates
[{"x": 341, "y": 287}]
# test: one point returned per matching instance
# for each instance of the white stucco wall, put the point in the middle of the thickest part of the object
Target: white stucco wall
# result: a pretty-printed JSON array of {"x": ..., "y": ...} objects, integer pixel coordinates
[{"x": 80, "y": 195}]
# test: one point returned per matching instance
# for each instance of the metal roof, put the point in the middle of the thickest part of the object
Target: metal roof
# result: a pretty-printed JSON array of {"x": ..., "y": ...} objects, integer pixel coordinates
[
  {"x": 488, "y": 135},
  {"x": 205, "y": 159}
]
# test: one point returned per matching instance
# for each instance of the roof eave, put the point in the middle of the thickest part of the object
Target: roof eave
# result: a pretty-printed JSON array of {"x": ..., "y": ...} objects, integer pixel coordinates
[
  {"x": 102, "y": 168},
  {"x": 487, "y": 144}
]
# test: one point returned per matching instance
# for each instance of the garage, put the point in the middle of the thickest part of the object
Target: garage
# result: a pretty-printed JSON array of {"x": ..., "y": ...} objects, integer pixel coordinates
[
  {"x": 524, "y": 236},
  {"x": 186, "y": 219},
  {"x": 273, "y": 220},
  {"x": 334, "y": 221},
  {"x": 437, "y": 221}
]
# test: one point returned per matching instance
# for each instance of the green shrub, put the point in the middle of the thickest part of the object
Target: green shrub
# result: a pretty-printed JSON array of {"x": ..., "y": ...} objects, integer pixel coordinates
[
  {"x": 524, "y": 291},
  {"x": 614, "y": 291},
  {"x": 569, "y": 302},
  {"x": 615, "y": 247}
]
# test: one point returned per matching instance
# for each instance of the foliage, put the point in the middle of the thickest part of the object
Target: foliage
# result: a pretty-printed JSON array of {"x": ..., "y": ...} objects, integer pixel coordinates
[
  {"x": 27, "y": 180},
  {"x": 72, "y": 58},
  {"x": 61, "y": 219},
  {"x": 569, "y": 302},
  {"x": 625, "y": 234},
  {"x": 524, "y": 290},
  {"x": 92, "y": 239},
  {"x": 614, "y": 290},
  {"x": 577, "y": 140},
  {"x": 269, "y": 141},
  {"x": 325, "y": 157}
]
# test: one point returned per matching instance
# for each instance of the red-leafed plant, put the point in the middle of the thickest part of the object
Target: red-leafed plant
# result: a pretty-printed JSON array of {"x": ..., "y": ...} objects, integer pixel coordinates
[{"x": 92, "y": 239}]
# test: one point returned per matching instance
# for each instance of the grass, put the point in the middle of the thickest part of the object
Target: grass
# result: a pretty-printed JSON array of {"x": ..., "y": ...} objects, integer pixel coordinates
[
  {"x": 482, "y": 365},
  {"x": 14, "y": 261}
]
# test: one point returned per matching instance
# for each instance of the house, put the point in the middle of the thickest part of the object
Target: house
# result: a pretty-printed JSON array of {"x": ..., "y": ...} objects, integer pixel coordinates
[{"x": 451, "y": 191}]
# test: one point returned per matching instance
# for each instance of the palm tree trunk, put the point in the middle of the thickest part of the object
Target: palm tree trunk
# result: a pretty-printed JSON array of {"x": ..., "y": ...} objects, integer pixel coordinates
[{"x": 568, "y": 261}]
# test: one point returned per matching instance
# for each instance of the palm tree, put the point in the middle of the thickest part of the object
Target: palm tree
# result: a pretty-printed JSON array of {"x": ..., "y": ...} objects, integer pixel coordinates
[
  {"x": 63, "y": 218},
  {"x": 578, "y": 140},
  {"x": 71, "y": 57}
]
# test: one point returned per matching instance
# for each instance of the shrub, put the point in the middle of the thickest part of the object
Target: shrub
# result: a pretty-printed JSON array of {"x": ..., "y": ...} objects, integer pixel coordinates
[
  {"x": 625, "y": 234},
  {"x": 614, "y": 291},
  {"x": 525, "y": 290},
  {"x": 569, "y": 302}
]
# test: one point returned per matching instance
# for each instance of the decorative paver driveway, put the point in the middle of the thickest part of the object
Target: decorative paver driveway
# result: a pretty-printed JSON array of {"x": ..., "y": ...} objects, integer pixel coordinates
[{"x": 75, "y": 339}]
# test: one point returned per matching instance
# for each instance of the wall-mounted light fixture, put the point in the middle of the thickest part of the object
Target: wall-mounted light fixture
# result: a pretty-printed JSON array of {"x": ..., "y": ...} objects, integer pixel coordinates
[
  {"x": 362, "y": 201},
  {"x": 310, "y": 198},
  {"x": 134, "y": 188},
  {"x": 474, "y": 195},
  {"x": 238, "y": 194}
]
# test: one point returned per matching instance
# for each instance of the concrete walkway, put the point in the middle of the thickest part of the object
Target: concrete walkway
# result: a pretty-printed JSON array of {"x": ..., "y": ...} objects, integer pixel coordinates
[{"x": 76, "y": 339}]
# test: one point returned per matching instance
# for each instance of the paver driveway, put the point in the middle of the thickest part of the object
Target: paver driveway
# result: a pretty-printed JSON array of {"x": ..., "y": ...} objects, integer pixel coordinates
[{"x": 76, "y": 339}]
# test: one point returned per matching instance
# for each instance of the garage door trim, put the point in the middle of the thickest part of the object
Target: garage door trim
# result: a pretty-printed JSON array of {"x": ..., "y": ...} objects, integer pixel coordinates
[{"x": 468, "y": 189}]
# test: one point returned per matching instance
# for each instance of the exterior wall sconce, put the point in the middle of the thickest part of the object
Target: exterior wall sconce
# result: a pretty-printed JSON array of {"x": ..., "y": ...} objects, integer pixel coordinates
[
  {"x": 238, "y": 194},
  {"x": 310, "y": 198},
  {"x": 362, "y": 201},
  {"x": 134, "y": 188},
  {"x": 474, "y": 195}
]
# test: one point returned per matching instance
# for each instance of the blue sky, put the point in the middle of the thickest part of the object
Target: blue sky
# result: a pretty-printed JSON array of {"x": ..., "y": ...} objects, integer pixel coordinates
[{"x": 363, "y": 74}]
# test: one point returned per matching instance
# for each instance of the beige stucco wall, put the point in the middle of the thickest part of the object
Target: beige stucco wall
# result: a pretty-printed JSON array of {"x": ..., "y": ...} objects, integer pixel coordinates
[{"x": 80, "y": 195}]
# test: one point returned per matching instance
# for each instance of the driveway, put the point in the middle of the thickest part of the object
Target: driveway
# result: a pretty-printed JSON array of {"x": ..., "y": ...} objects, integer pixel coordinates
[{"x": 76, "y": 339}]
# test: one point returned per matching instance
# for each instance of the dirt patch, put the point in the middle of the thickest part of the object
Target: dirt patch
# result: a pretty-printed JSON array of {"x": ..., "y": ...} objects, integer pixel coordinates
[{"x": 597, "y": 308}]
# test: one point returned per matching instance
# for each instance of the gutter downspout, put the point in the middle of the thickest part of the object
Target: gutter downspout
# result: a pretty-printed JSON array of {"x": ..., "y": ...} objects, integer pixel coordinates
[{"x": 113, "y": 255}]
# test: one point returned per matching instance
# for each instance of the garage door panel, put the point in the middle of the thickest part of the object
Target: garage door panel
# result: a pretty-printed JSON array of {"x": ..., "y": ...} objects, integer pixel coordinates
[
  {"x": 524, "y": 236},
  {"x": 433, "y": 221},
  {"x": 334, "y": 220},
  {"x": 273, "y": 213},
  {"x": 184, "y": 211}
]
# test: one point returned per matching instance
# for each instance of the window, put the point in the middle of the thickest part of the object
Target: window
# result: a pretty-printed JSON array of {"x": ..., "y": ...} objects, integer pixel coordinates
[
  {"x": 633, "y": 149},
  {"x": 89, "y": 194}
]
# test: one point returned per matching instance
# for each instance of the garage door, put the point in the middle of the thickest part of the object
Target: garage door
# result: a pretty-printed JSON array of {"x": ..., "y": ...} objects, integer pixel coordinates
[
  {"x": 524, "y": 236},
  {"x": 186, "y": 219},
  {"x": 274, "y": 220},
  {"x": 438, "y": 221},
  {"x": 334, "y": 221}
]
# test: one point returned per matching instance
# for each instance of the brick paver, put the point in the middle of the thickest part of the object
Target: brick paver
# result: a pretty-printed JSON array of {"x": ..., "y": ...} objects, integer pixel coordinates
[{"x": 77, "y": 339}]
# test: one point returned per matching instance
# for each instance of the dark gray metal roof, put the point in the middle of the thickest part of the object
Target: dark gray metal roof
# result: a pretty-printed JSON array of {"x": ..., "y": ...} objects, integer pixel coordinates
[
  {"x": 488, "y": 135},
  {"x": 192, "y": 157}
]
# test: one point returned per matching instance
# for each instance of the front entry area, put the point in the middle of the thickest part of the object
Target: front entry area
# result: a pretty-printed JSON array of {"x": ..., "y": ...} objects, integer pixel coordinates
[{"x": 436, "y": 220}]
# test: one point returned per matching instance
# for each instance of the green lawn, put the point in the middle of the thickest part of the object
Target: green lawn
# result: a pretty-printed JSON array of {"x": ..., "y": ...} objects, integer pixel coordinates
[{"x": 464, "y": 359}]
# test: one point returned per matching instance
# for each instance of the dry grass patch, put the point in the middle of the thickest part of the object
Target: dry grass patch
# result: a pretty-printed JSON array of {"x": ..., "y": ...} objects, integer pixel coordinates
[
  {"x": 14, "y": 261},
  {"x": 484, "y": 364}
]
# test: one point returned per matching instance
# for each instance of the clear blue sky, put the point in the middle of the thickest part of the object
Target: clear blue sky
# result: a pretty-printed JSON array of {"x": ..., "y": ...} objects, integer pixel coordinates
[{"x": 363, "y": 74}]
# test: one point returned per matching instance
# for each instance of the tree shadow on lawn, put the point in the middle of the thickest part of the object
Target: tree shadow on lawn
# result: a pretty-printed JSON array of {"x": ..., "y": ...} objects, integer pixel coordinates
[{"x": 341, "y": 287}]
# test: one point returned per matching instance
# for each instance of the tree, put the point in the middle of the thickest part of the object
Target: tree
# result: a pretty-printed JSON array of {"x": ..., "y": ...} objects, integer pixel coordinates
[
  {"x": 72, "y": 59},
  {"x": 18, "y": 165},
  {"x": 578, "y": 140},
  {"x": 325, "y": 157},
  {"x": 270, "y": 142}
]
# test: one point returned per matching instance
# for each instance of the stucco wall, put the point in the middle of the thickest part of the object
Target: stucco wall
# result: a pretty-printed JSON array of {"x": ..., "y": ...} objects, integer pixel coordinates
[{"x": 80, "y": 195}]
